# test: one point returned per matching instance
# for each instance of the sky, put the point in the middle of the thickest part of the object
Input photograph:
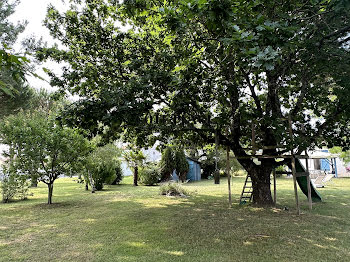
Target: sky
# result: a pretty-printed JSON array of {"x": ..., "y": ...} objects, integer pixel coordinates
[{"x": 34, "y": 11}]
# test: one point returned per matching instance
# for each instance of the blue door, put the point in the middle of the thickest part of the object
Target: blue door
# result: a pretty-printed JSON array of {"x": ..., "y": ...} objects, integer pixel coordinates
[{"x": 190, "y": 174}]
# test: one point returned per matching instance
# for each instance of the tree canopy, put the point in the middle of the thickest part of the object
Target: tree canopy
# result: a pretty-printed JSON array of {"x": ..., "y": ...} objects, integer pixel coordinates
[
  {"x": 15, "y": 93},
  {"x": 239, "y": 63},
  {"x": 12, "y": 65},
  {"x": 40, "y": 148}
]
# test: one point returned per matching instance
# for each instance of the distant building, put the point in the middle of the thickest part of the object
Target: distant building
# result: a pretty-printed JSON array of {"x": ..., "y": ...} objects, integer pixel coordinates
[
  {"x": 194, "y": 172},
  {"x": 323, "y": 160}
]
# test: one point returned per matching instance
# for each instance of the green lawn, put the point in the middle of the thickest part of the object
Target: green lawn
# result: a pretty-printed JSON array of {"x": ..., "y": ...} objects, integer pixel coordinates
[{"x": 126, "y": 223}]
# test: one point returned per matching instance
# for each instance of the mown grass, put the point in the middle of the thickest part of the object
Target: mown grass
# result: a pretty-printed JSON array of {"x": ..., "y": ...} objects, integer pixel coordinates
[{"x": 126, "y": 223}]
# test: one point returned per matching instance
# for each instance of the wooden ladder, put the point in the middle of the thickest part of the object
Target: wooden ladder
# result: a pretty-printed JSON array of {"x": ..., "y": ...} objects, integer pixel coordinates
[{"x": 247, "y": 192}]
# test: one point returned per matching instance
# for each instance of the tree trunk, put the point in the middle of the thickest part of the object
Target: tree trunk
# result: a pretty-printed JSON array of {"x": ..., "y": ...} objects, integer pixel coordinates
[
  {"x": 50, "y": 186},
  {"x": 217, "y": 177},
  {"x": 136, "y": 175},
  {"x": 92, "y": 183},
  {"x": 261, "y": 186}
]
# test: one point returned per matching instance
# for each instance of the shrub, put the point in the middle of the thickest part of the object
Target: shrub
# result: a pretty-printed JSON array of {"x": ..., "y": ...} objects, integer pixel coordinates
[
  {"x": 104, "y": 172},
  {"x": 173, "y": 189},
  {"x": 13, "y": 185},
  {"x": 150, "y": 175},
  {"x": 181, "y": 164},
  {"x": 280, "y": 168},
  {"x": 167, "y": 164},
  {"x": 8, "y": 188},
  {"x": 118, "y": 176},
  {"x": 22, "y": 187},
  {"x": 223, "y": 173},
  {"x": 240, "y": 173},
  {"x": 102, "y": 166}
]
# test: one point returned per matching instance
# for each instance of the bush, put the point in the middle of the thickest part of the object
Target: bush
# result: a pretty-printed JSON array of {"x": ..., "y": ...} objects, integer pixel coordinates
[
  {"x": 181, "y": 164},
  {"x": 281, "y": 169},
  {"x": 104, "y": 172},
  {"x": 22, "y": 187},
  {"x": 118, "y": 176},
  {"x": 240, "y": 173},
  {"x": 149, "y": 176},
  {"x": 102, "y": 166},
  {"x": 223, "y": 173},
  {"x": 173, "y": 189},
  {"x": 167, "y": 164},
  {"x": 13, "y": 185},
  {"x": 8, "y": 188}
]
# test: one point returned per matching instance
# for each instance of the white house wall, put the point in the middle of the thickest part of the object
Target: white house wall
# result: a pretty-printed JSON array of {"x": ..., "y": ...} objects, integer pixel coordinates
[{"x": 341, "y": 167}]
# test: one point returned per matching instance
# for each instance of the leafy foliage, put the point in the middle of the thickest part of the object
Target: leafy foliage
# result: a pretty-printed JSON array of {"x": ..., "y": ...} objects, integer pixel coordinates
[
  {"x": 149, "y": 175},
  {"x": 102, "y": 166},
  {"x": 135, "y": 159},
  {"x": 13, "y": 185},
  {"x": 181, "y": 164},
  {"x": 167, "y": 163},
  {"x": 206, "y": 155},
  {"x": 173, "y": 189},
  {"x": 344, "y": 155},
  {"x": 243, "y": 64},
  {"x": 13, "y": 67},
  {"x": 38, "y": 147}
]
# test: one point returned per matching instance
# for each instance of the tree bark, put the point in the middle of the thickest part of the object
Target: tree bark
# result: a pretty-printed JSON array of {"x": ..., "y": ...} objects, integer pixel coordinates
[
  {"x": 136, "y": 175},
  {"x": 50, "y": 187},
  {"x": 92, "y": 183},
  {"x": 217, "y": 177},
  {"x": 261, "y": 186}
]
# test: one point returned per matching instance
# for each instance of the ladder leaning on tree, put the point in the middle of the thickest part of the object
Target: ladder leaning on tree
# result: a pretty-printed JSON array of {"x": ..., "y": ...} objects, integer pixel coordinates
[{"x": 247, "y": 192}]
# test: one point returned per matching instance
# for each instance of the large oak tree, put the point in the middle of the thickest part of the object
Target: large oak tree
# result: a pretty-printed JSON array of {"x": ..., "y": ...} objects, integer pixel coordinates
[{"x": 242, "y": 63}]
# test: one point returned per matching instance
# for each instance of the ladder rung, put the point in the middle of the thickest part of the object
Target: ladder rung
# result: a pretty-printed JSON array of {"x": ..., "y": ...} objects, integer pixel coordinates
[{"x": 247, "y": 192}]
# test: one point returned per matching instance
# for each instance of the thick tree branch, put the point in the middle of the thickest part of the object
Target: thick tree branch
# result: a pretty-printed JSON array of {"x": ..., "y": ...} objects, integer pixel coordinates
[
  {"x": 335, "y": 34},
  {"x": 303, "y": 92}
]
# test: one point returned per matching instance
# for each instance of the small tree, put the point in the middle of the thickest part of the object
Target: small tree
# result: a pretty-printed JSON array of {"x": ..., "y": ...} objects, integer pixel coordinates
[
  {"x": 13, "y": 185},
  {"x": 39, "y": 147},
  {"x": 167, "y": 163},
  {"x": 181, "y": 164},
  {"x": 102, "y": 166},
  {"x": 134, "y": 158}
]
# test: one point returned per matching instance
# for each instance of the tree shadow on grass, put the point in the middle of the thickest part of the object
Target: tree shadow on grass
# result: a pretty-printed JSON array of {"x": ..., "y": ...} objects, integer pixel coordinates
[
  {"x": 115, "y": 227},
  {"x": 197, "y": 230}
]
